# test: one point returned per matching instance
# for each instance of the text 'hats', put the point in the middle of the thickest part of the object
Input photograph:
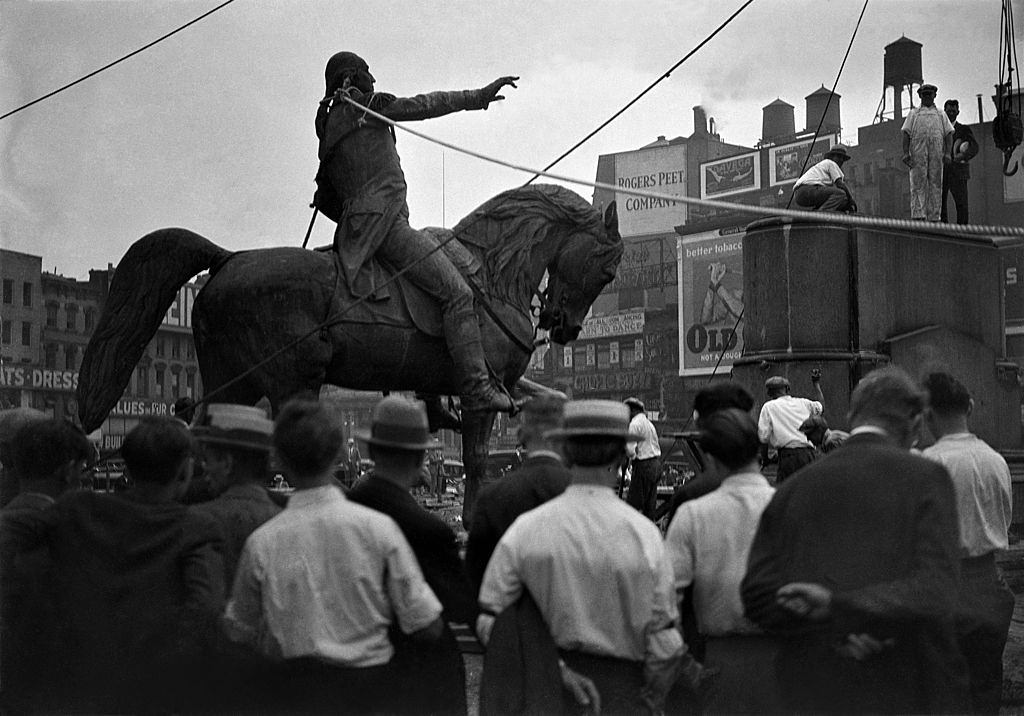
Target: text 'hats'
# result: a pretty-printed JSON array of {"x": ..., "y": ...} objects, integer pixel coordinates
[
  {"x": 595, "y": 418},
  {"x": 927, "y": 88},
  {"x": 398, "y": 423},
  {"x": 841, "y": 150},
  {"x": 237, "y": 426}
]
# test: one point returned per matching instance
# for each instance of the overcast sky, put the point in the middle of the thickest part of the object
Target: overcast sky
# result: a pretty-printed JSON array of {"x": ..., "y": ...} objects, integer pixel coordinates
[{"x": 212, "y": 129}]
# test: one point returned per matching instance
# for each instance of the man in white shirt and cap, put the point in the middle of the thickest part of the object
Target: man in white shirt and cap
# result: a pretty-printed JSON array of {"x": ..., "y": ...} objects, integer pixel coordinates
[
  {"x": 597, "y": 570},
  {"x": 823, "y": 186},
  {"x": 645, "y": 459},
  {"x": 778, "y": 425}
]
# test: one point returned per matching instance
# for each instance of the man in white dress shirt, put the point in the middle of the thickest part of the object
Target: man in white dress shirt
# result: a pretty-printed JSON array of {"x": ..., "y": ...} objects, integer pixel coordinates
[
  {"x": 645, "y": 458},
  {"x": 597, "y": 570},
  {"x": 319, "y": 585},
  {"x": 778, "y": 425}
]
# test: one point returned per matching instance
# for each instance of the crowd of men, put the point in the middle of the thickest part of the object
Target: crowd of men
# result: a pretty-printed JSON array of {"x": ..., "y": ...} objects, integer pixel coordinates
[{"x": 864, "y": 581}]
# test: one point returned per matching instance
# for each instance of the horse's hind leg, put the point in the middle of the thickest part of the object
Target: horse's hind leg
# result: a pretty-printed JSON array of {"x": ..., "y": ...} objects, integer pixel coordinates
[{"x": 476, "y": 434}]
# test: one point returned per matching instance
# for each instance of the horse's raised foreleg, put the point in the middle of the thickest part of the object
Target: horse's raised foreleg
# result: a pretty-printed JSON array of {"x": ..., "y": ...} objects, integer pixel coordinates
[{"x": 476, "y": 434}]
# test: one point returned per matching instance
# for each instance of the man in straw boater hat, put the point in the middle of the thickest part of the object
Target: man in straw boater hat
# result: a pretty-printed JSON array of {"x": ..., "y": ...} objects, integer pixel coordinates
[
  {"x": 598, "y": 572},
  {"x": 319, "y": 585},
  {"x": 433, "y": 675},
  {"x": 235, "y": 441}
]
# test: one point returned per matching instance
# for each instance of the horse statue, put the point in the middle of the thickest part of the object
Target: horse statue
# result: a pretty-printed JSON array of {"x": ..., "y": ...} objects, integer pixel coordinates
[{"x": 277, "y": 322}]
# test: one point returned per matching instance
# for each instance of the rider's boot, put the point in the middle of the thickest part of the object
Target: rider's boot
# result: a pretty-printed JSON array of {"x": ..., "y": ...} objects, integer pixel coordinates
[{"x": 476, "y": 389}]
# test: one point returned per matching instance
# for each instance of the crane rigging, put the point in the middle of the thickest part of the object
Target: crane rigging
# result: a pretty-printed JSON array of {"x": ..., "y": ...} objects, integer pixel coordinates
[{"x": 1007, "y": 130}]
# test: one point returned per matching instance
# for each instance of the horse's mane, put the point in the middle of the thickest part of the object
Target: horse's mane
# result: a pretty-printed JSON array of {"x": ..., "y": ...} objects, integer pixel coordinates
[{"x": 503, "y": 230}]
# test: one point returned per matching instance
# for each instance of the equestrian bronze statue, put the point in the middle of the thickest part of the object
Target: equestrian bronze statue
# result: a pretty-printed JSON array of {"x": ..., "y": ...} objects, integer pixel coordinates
[{"x": 277, "y": 322}]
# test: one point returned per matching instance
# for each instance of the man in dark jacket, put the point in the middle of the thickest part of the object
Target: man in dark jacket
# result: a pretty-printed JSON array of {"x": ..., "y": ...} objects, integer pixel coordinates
[
  {"x": 360, "y": 185},
  {"x": 956, "y": 172},
  {"x": 140, "y": 580},
  {"x": 48, "y": 456},
  {"x": 855, "y": 562},
  {"x": 433, "y": 672},
  {"x": 541, "y": 477}
]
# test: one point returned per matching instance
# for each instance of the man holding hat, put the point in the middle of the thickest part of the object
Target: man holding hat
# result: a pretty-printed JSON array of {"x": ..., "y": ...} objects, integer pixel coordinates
[
  {"x": 823, "y": 186},
  {"x": 597, "y": 570},
  {"x": 319, "y": 585},
  {"x": 235, "y": 440},
  {"x": 927, "y": 147},
  {"x": 778, "y": 425},
  {"x": 433, "y": 675}
]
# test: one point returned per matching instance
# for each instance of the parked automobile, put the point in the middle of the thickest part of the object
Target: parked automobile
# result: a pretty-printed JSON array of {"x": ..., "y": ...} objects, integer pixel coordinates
[{"x": 501, "y": 462}]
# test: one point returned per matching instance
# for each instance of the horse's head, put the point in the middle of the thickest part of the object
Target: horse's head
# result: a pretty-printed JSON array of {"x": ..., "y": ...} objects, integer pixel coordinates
[{"x": 576, "y": 277}]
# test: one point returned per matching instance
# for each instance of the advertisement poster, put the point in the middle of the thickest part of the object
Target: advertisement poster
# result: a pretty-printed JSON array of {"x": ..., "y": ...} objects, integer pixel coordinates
[
  {"x": 660, "y": 169},
  {"x": 710, "y": 300},
  {"x": 786, "y": 161},
  {"x": 734, "y": 175}
]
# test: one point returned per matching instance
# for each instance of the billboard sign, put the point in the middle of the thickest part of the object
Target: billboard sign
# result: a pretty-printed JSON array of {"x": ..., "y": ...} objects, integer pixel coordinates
[
  {"x": 786, "y": 161},
  {"x": 732, "y": 175},
  {"x": 710, "y": 300},
  {"x": 659, "y": 169}
]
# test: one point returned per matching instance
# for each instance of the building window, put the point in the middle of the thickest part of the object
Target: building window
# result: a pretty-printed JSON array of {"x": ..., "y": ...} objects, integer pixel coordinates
[
  {"x": 159, "y": 383},
  {"x": 72, "y": 315},
  {"x": 190, "y": 385},
  {"x": 50, "y": 356},
  {"x": 161, "y": 347},
  {"x": 26, "y": 333},
  {"x": 6, "y": 333},
  {"x": 70, "y": 353},
  {"x": 8, "y": 291},
  {"x": 613, "y": 352},
  {"x": 638, "y": 349},
  {"x": 176, "y": 348},
  {"x": 51, "y": 315},
  {"x": 567, "y": 357},
  {"x": 190, "y": 349},
  {"x": 142, "y": 382},
  {"x": 90, "y": 320},
  {"x": 26, "y": 295},
  {"x": 175, "y": 385}
]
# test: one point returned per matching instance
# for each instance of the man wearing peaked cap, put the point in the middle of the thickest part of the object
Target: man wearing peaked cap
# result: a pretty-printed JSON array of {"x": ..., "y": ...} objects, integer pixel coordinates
[
  {"x": 823, "y": 186},
  {"x": 433, "y": 673},
  {"x": 927, "y": 147},
  {"x": 235, "y": 442},
  {"x": 586, "y": 555},
  {"x": 326, "y": 617}
]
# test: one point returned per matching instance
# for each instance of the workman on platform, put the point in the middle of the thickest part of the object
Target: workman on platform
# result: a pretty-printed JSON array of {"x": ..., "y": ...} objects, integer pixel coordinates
[
  {"x": 361, "y": 186},
  {"x": 823, "y": 186},
  {"x": 927, "y": 146}
]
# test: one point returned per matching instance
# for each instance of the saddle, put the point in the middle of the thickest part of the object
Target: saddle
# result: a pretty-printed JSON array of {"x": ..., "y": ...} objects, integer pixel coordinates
[{"x": 397, "y": 302}]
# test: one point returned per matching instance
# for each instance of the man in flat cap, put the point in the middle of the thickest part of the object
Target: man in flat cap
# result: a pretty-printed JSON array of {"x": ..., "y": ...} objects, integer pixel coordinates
[
  {"x": 360, "y": 185},
  {"x": 645, "y": 459},
  {"x": 586, "y": 556},
  {"x": 823, "y": 186},
  {"x": 927, "y": 146},
  {"x": 778, "y": 425}
]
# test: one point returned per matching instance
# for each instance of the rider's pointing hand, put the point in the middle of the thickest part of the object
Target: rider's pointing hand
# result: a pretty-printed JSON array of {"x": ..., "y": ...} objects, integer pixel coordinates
[{"x": 491, "y": 91}]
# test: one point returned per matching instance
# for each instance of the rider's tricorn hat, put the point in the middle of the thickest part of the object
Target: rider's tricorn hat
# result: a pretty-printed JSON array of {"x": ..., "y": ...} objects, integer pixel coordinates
[
  {"x": 398, "y": 423},
  {"x": 235, "y": 426},
  {"x": 595, "y": 418},
  {"x": 339, "y": 65}
]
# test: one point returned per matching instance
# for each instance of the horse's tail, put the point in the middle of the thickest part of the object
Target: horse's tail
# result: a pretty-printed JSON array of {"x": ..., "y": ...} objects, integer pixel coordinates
[{"x": 143, "y": 288}]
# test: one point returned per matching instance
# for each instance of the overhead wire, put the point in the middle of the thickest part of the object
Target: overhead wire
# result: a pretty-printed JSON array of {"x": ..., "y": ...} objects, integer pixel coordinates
[
  {"x": 636, "y": 99},
  {"x": 115, "y": 62}
]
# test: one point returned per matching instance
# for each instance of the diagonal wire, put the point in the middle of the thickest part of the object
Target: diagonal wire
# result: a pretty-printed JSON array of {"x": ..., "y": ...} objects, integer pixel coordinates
[
  {"x": 636, "y": 99},
  {"x": 117, "y": 61}
]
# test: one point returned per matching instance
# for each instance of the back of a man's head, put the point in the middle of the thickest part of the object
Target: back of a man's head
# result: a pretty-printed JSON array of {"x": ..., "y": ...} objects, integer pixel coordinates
[
  {"x": 307, "y": 437},
  {"x": 720, "y": 395},
  {"x": 155, "y": 451},
  {"x": 730, "y": 436},
  {"x": 540, "y": 416},
  {"x": 947, "y": 396},
  {"x": 887, "y": 398},
  {"x": 41, "y": 449}
]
